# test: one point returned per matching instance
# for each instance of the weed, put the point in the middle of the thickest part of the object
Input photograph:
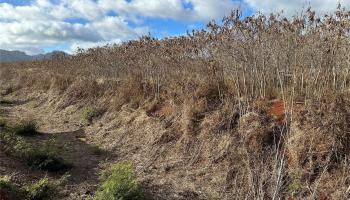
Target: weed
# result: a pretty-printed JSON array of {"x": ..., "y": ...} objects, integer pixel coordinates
[
  {"x": 9, "y": 190},
  {"x": 7, "y": 91},
  {"x": 19, "y": 147},
  {"x": 25, "y": 128},
  {"x": 46, "y": 158},
  {"x": 5, "y": 183},
  {"x": 33, "y": 104},
  {"x": 47, "y": 162},
  {"x": 295, "y": 184},
  {"x": 5, "y": 101},
  {"x": 44, "y": 189},
  {"x": 3, "y": 122},
  {"x": 119, "y": 183},
  {"x": 89, "y": 113},
  {"x": 97, "y": 150},
  {"x": 43, "y": 157}
]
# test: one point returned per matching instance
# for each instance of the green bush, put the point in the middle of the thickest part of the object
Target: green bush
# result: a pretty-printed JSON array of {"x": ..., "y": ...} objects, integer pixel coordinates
[
  {"x": 89, "y": 113},
  {"x": 25, "y": 128},
  {"x": 119, "y": 183},
  {"x": 3, "y": 122},
  {"x": 294, "y": 186},
  {"x": 39, "y": 158},
  {"x": 97, "y": 150},
  {"x": 47, "y": 162},
  {"x": 19, "y": 147},
  {"x": 43, "y": 157},
  {"x": 10, "y": 190},
  {"x": 5, "y": 183},
  {"x": 44, "y": 189},
  {"x": 41, "y": 190}
]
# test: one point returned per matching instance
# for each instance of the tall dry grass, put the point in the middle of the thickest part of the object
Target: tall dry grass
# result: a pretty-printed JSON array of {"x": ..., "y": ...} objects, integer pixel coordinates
[{"x": 253, "y": 57}]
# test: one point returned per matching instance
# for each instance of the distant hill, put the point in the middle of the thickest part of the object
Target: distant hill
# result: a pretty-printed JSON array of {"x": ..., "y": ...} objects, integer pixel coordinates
[{"x": 11, "y": 56}]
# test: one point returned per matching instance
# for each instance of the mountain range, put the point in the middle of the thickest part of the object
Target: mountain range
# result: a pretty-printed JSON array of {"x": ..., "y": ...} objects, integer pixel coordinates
[{"x": 13, "y": 56}]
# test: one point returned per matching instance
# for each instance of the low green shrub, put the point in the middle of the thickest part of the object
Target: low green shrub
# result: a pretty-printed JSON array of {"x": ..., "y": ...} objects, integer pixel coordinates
[
  {"x": 25, "y": 128},
  {"x": 47, "y": 162},
  {"x": 119, "y": 183},
  {"x": 97, "y": 150},
  {"x": 46, "y": 157},
  {"x": 33, "y": 104},
  {"x": 19, "y": 147},
  {"x": 5, "y": 183},
  {"x": 294, "y": 186},
  {"x": 44, "y": 189},
  {"x": 3, "y": 122},
  {"x": 89, "y": 113},
  {"x": 43, "y": 157},
  {"x": 8, "y": 90},
  {"x": 9, "y": 189}
]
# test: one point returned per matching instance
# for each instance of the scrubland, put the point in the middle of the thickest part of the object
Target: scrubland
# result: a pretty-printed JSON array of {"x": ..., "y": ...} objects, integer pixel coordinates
[{"x": 249, "y": 108}]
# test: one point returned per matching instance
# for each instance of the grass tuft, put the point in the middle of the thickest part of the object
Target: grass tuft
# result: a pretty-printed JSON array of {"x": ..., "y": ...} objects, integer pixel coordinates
[
  {"x": 89, "y": 113},
  {"x": 44, "y": 189},
  {"x": 9, "y": 190},
  {"x": 43, "y": 157},
  {"x": 47, "y": 162},
  {"x": 5, "y": 183},
  {"x": 97, "y": 150},
  {"x": 25, "y": 128},
  {"x": 119, "y": 183},
  {"x": 3, "y": 122}
]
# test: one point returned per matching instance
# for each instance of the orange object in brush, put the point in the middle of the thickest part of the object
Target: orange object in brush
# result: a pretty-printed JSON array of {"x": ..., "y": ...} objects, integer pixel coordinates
[{"x": 277, "y": 111}]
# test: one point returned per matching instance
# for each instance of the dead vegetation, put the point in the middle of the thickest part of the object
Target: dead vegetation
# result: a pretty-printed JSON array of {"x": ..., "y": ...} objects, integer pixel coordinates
[{"x": 251, "y": 108}]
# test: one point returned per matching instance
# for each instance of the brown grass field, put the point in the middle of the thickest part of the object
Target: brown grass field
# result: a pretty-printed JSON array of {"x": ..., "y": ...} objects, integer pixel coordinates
[{"x": 250, "y": 108}]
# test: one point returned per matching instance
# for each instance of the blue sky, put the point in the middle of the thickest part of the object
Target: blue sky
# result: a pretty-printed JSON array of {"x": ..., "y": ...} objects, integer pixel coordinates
[{"x": 38, "y": 26}]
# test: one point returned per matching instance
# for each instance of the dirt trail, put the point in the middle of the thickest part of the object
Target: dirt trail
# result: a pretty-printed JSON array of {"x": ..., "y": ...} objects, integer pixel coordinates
[{"x": 73, "y": 147}]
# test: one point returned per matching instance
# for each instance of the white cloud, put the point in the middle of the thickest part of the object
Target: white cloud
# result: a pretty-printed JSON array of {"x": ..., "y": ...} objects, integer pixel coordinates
[
  {"x": 148, "y": 8},
  {"x": 18, "y": 35},
  {"x": 87, "y": 9},
  {"x": 208, "y": 10},
  {"x": 43, "y": 23},
  {"x": 113, "y": 27},
  {"x": 293, "y": 7},
  {"x": 203, "y": 10},
  {"x": 10, "y": 12}
]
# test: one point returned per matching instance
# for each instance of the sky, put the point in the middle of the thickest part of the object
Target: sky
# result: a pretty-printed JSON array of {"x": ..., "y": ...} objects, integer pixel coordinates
[{"x": 40, "y": 26}]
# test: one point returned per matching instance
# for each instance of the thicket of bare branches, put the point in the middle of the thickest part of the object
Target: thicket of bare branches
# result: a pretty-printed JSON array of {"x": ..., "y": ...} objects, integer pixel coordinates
[{"x": 251, "y": 57}]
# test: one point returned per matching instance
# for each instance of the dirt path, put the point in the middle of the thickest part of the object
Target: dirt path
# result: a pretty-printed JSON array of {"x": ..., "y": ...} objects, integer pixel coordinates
[{"x": 72, "y": 146}]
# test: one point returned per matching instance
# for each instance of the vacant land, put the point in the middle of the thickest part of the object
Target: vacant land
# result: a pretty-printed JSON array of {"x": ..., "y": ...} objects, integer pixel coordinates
[{"x": 253, "y": 108}]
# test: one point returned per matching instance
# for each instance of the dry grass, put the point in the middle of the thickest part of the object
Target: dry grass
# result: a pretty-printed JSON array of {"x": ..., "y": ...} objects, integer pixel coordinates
[{"x": 223, "y": 80}]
